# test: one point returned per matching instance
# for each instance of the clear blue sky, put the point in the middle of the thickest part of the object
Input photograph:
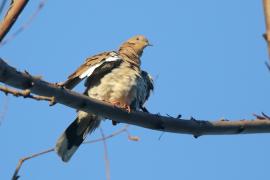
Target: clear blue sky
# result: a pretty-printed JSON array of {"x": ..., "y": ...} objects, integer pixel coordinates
[{"x": 207, "y": 61}]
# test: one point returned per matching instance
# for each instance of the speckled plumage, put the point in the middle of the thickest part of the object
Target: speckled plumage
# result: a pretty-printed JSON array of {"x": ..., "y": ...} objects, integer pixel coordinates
[{"x": 111, "y": 77}]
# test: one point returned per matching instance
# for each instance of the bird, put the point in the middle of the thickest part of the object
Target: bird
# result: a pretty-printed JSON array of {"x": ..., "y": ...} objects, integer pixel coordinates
[{"x": 114, "y": 77}]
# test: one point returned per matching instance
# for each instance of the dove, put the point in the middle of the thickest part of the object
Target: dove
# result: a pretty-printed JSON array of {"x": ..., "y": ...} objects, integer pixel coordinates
[{"x": 114, "y": 77}]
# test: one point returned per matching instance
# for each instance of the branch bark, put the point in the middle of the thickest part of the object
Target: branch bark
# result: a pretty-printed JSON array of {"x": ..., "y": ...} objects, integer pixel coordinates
[{"x": 14, "y": 78}]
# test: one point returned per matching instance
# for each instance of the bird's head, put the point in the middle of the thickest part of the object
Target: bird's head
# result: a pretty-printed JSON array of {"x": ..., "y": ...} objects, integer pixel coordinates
[{"x": 137, "y": 43}]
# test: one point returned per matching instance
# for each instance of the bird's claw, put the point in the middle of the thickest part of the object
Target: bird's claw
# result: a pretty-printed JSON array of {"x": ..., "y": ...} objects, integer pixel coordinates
[{"x": 122, "y": 106}]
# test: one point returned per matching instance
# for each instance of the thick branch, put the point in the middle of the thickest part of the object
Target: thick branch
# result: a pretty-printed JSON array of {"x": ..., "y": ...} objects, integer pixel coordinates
[
  {"x": 11, "y": 16},
  {"x": 12, "y": 77}
]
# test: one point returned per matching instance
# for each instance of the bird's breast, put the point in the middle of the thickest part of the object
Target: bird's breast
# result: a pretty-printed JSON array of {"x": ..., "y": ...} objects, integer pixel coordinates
[{"x": 117, "y": 86}]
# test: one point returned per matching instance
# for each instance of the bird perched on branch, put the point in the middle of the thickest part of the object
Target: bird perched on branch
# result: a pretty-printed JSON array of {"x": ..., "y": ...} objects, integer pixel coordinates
[{"x": 114, "y": 77}]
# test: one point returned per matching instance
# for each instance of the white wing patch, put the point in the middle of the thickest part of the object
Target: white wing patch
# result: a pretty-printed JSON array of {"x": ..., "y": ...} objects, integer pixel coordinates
[
  {"x": 112, "y": 58},
  {"x": 91, "y": 69}
]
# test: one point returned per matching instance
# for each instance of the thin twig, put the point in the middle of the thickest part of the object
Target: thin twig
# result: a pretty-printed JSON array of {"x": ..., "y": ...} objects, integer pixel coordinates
[
  {"x": 21, "y": 161},
  {"x": 106, "y": 156},
  {"x": 15, "y": 8},
  {"x": 103, "y": 138},
  {"x": 124, "y": 129},
  {"x": 25, "y": 25},
  {"x": 25, "y": 93},
  {"x": 263, "y": 116},
  {"x": 131, "y": 137}
]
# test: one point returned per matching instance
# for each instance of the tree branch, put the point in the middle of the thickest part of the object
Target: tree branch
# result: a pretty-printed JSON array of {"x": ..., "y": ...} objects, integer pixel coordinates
[
  {"x": 22, "y": 160},
  {"x": 16, "y": 7},
  {"x": 12, "y": 77},
  {"x": 25, "y": 93},
  {"x": 103, "y": 138}
]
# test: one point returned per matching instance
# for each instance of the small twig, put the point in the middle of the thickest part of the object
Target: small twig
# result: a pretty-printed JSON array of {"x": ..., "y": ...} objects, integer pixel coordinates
[
  {"x": 267, "y": 65},
  {"x": 132, "y": 138},
  {"x": 262, "y": 117},
  {"x": 25, "y": 25},
  {"x": 15, "y": 8},
  {"x": 25, "y": 93},
  {"x": 266, "y": 116},
  {"x": 22, "y": 160},
  {"x": 161, "y": 135},
  {"x": 106, "y": 156},
  {"x": 124, "y": 129}
]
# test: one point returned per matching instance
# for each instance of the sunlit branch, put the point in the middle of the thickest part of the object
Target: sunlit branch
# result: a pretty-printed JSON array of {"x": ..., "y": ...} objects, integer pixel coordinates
[{"x": 12, "y": 77}]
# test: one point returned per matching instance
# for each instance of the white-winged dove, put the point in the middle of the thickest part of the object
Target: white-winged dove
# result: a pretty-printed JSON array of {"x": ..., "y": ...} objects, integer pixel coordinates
[{"x": 114, "y": 77}]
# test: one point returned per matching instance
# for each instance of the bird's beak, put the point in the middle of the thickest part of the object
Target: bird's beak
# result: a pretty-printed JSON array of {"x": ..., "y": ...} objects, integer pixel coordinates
[{"x": 150, "y": 44}]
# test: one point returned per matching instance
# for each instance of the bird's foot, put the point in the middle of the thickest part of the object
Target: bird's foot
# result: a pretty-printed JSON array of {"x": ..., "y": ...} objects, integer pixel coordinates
[
  {"x": 116, "y": 103},
  {"x": 122, "y": 106},
  {"x": 127, "y": 108}
]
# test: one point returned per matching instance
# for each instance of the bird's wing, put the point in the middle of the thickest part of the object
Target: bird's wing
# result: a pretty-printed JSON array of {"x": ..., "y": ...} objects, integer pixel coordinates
[
  {"x": 148, "y": 87},
  {"x": 149, "y": 83},
  {"x": 102, "y": 61}
]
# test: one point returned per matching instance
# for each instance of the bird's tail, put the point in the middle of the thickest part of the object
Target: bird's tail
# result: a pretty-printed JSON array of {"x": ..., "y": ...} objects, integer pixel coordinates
[{"x": 75, "y": 134}]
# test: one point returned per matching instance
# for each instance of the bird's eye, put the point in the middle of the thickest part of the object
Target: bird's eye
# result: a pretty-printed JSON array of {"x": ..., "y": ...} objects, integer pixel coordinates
[{"x": 137, "y": 39}]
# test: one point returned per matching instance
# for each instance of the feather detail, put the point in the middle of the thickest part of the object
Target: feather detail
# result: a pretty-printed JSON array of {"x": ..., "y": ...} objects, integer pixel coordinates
[
  {"x": 75, "y": 134},
  {"x": 90, "y": 66},
  {"x": 91, "y": 69}
]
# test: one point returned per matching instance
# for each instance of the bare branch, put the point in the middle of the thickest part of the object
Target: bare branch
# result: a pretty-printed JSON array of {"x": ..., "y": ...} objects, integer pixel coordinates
[
  {"x": 12, "y": 77},
  {"x": 16, "y": 7},
  {"x": 26, "y": 24},
  {"x": 21, "y": 161},
  {"x": 103, "y": 138},
  {"x": 25, "y": 93}
]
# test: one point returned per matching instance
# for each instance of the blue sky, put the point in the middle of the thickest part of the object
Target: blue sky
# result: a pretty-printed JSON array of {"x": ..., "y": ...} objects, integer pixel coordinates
[{"x": 207, "y": 60}]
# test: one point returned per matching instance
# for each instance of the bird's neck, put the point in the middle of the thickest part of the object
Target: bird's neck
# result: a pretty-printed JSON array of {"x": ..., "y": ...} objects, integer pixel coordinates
[{"x": 130, "y": 55}]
